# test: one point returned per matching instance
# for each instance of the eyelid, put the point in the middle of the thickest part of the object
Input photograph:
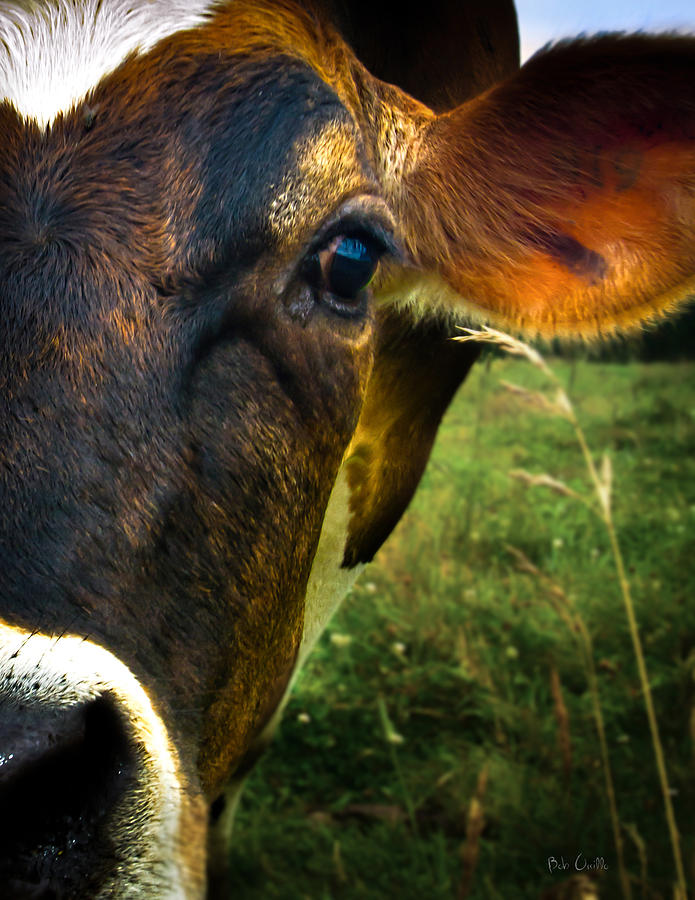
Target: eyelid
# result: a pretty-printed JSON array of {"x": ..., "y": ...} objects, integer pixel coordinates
[{"x": 364, "y": 216}]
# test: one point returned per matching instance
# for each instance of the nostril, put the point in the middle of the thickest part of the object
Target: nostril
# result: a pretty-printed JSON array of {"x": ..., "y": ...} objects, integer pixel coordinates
[
  {"x": 31, "y": 736},
  {"x": 62, "y": 772}
]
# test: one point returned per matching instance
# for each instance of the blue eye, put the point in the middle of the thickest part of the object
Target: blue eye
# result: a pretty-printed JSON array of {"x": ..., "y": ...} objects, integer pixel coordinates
[
  {"x": 342, "y": 269},
  {"x": 351, "y": 267}
]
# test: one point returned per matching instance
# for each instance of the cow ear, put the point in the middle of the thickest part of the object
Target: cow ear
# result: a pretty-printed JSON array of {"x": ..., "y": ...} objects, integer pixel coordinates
[{"x": 562, "y": 201}]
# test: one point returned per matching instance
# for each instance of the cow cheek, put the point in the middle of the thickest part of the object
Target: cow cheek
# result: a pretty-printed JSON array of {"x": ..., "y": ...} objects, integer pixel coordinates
[{"x": 292, "y": 458}]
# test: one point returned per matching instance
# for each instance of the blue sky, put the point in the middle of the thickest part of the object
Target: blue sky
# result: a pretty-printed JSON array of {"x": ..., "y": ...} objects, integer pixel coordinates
[{"x": 544, "y": 20}]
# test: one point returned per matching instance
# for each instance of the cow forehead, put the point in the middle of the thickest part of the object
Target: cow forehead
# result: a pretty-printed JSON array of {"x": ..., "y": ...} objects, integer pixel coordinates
[
  {"x": 221, "y": 146},
  {"x": 55, "y": 53},
  {"x": 52, "y": 54}
]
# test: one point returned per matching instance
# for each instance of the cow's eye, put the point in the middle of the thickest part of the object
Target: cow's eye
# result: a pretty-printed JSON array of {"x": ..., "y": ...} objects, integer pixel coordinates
[
  {"x": 343, "y": 268},
  {"x": 351, "y": 267}
]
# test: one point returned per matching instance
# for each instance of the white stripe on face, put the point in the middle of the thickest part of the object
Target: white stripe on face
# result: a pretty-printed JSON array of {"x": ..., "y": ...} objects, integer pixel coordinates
[
  {"x": 53, "y": 53},
  {"x": 329, "y": 582},
  {"x": 49, "y": 673}
]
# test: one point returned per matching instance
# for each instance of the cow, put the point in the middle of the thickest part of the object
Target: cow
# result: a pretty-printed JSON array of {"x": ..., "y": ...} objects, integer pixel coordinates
[{"x": 235, "y": 240}]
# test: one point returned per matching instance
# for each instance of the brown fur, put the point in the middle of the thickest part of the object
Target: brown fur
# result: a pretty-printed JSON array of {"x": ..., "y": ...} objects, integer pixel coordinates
[{"x": 563, "y": 201}]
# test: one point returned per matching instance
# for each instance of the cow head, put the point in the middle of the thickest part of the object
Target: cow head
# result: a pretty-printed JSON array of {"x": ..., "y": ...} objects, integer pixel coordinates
[{"x": 208, "y": 419}]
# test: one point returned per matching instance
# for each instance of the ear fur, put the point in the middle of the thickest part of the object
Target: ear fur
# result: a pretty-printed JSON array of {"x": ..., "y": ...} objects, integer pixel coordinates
[{"x": 562, "y": 201}]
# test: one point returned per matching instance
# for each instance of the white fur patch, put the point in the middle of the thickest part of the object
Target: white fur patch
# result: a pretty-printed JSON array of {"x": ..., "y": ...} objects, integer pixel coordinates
[
  {"x": 59, "y": 672},
  {"x": 53, "y": 53},
  {"x": 328, "y": 581}
]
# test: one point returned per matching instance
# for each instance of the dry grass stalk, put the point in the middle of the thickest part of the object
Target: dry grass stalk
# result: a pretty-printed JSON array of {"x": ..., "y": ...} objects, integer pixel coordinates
[
  {"x": 523, "y": 563},
  {"x": 475, "y": 822},
  {"x": 544, "y": 480},
  {"x": 602, "y": 486},
  {"x": 642, "y": 853},
  {"x": 506, "y": 342},
  {"x": 338, "y": 864},
  {"x": 560, "y": 602},
  {"x": 563, "y": 722},
  {"x": 472, "y": 662},
  {"x": 536, "y": 399}
]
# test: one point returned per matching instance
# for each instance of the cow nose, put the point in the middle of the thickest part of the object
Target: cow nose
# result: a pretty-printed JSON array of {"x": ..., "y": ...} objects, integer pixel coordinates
[
  {"x": 33, "y": 738},
  {"x": 62, "y": 770}
]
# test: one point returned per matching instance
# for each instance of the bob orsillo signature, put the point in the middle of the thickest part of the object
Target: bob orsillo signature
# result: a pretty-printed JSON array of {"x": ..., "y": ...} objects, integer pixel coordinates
[{"x": 578, "y": 863}]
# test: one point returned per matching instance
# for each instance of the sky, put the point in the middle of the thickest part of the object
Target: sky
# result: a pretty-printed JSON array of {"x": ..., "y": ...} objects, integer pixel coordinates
[{"x": 543, "y": 20}]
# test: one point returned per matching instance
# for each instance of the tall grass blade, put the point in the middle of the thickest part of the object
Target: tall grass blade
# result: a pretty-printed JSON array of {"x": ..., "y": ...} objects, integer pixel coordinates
[
  {"x": 636, "y": 839},
  {"x": 565, "y": 609},
  {"x": 563, "y": 722},
  {"x": 470, "y": 849}
]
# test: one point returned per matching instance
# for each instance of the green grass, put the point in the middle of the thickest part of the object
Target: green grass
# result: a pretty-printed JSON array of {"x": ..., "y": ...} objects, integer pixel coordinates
[{"x": 456, "y": 646}]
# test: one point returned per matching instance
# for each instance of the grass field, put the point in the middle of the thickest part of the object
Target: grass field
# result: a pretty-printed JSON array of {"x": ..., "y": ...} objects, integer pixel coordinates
[{"x": 442, "y": 740}]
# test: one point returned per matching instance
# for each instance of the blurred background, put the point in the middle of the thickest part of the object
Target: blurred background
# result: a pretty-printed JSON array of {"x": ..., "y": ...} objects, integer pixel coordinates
[
  {"x": 541, "y": 21},
  {"x": 472, "y": 724}
]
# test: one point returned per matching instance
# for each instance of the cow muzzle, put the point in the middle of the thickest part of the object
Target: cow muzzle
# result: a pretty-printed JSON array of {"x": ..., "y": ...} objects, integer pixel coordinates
[{"x": 92, "y": 797}]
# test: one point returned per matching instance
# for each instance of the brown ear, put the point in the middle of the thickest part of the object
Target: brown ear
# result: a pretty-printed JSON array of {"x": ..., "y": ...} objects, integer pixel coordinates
[
  {"x": 562, "y": 201},
  {"x": 441, "y": 53}
]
